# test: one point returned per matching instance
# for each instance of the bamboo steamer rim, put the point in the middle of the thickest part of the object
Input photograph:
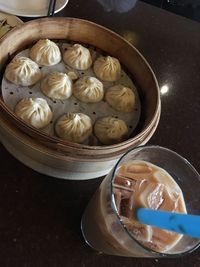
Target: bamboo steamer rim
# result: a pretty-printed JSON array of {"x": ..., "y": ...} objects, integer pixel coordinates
[
  {"x": 45, "y": 150},
  {"x": 52, "y": 151},
  {"x": 55, "y": 141}
]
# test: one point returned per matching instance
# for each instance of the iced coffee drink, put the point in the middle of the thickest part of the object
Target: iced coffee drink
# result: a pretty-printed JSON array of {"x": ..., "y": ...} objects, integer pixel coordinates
[
  {"x": 142, "y": 184},
  {"x": 109, "y": 223}
]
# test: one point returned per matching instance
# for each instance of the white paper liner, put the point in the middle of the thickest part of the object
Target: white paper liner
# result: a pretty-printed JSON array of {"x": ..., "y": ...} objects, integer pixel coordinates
[{"x": 12, "y": 94}]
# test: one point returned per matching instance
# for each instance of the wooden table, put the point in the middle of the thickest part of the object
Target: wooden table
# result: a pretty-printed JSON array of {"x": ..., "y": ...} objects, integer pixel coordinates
[{"x": 40, "y": 216}]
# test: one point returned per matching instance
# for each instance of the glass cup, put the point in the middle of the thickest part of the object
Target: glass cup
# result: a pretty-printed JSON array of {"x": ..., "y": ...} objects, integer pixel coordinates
[{"x": 102, "y": 226}]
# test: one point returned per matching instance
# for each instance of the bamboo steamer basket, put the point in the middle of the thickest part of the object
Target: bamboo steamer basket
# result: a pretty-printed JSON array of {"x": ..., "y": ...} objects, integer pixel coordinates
[{"x": 62, "y": 158}]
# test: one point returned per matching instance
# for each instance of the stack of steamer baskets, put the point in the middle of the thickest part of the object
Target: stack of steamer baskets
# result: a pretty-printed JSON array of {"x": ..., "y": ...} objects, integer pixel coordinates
[{"x": 60, "y": 158}]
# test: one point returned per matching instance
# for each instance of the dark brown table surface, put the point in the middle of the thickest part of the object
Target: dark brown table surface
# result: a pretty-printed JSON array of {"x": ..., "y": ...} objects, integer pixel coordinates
[{"x": 39, "y": 215}]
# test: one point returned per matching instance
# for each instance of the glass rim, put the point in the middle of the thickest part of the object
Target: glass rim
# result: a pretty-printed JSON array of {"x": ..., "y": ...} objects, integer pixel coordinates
[{"x": 114, "y": 208}]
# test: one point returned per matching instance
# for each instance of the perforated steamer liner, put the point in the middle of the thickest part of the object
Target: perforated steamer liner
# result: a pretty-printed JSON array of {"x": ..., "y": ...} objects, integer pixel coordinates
[
  {"x": 82, "y": 31},
  {"x": 12, "y": 94}
]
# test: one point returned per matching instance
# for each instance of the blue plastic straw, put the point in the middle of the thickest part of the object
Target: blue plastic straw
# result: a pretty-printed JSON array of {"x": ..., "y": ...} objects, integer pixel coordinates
[{"x": 177, "y": 222}]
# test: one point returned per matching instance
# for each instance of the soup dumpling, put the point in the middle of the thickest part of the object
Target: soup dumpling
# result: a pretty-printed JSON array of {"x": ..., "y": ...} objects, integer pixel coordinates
[
  {"x": 110, "y": 130},
  {"x": 78, "y": 57},
  {"x": 121, "y": 98},
  {"x": 107, "y": 69},
  {"x": 89, "y": 90},
  {"x": 57, "y": 85},
  {"x": 46, "y": 53},
  {"x": 23, "y": 71},
  {"x": 34, "y": 111},
  {"x": 74, "y": 127}
]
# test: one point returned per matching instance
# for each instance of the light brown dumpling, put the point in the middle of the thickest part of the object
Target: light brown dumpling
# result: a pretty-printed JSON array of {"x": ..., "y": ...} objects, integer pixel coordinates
[
  {"x": 45, "y": 53},
  {"x": 23, "y": 71},
  {"x": 110, "y": 130},
  {"x": 88, "y": 89},
  {"x": 121, "y": 98},
  {"x": 74, "y": 127},
  {"x": 34, "y": 111},
  {"x": 78, "y": 57},
  {"x": 57, "y": 85},
  {"x": 107, "y": 69}
]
